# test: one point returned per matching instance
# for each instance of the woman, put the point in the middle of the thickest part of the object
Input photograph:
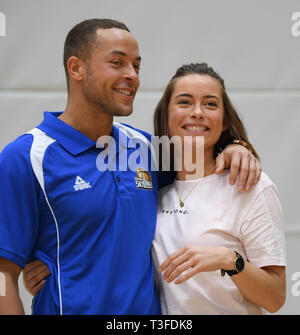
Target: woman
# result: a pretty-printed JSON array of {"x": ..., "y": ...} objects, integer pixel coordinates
[{"x": 206, "y": 228}]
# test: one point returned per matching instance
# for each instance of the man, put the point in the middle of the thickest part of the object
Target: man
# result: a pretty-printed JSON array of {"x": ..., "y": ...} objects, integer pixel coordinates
[{"x": 92, "y": 229}]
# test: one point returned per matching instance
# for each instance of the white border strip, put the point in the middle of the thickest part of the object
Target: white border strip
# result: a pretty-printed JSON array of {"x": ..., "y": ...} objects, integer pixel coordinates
[{"x": 40, "y": 143}]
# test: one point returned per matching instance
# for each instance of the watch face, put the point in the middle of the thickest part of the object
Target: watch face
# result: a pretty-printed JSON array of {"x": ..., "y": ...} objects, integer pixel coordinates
[{"x": 240, "y": 264}]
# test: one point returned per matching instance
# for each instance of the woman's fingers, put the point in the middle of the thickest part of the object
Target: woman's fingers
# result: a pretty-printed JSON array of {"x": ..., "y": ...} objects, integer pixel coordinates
[
  {"x": 190, "y": 260},
  {"x": 252, "y": 174},
  {"x": 179, "y": 261},
  {"x": 189, "y": 274},
  {"x": 171, "y": 258},
  {"x": 177, "y": 270},
  {"x": 258, "y": 171}
]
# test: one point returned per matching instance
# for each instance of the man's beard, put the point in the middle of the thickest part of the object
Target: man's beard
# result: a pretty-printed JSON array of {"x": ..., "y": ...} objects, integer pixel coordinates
[{"x": 102, "y": 101}]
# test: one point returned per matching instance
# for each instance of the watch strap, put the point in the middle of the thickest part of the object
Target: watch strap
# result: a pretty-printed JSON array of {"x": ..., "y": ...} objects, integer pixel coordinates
[{"x": 239, "y": 266}]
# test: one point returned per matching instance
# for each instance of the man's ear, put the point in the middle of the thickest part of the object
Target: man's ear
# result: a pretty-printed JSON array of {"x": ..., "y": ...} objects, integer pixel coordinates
[{"x": 76, "y": 68}]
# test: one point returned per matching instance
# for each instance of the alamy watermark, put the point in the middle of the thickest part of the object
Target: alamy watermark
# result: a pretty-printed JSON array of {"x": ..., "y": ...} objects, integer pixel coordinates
[
  {"x": 161, "y": 153},
  {"x": 2, "y": 285},
  {"x": 296, "y": 286},
  {"x": 296, "y": 25},
  {"x": 2, "y": 25}
]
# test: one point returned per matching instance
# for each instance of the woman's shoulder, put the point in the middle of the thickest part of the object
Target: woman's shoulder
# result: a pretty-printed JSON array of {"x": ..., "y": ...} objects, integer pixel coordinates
[
  {"x": 263, "y": 183},
  {"x": 264, "y": 186}
]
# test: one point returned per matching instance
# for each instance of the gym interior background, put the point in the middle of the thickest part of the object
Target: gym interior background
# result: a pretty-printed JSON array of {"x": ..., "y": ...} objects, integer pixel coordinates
[{"x": 254, "y": 45}]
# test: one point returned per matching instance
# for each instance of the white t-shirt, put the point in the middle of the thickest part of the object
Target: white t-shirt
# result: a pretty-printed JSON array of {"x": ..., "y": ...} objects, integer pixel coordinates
[{"x": 215, "y": 213}]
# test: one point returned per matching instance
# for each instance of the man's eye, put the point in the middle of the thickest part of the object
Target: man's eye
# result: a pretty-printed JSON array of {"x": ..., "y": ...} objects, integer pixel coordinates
[
  {"x": 137, "y": 67},
  {"x": 116, "y": 62}
]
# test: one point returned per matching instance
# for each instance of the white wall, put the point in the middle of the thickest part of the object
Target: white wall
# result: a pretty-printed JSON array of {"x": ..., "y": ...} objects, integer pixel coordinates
[{"x": 248, "y": 42}]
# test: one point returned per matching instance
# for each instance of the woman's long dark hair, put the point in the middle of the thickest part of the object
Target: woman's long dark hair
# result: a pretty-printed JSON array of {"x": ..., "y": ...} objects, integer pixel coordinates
[{"x": 235, "y": 128}]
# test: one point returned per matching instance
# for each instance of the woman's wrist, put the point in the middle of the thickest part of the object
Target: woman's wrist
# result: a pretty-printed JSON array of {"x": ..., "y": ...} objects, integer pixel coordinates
[{"x": 228, "y": 259}]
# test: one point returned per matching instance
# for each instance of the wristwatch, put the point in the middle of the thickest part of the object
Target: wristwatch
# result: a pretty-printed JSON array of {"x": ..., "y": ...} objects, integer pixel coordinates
[{"x": 239, "y": 266}]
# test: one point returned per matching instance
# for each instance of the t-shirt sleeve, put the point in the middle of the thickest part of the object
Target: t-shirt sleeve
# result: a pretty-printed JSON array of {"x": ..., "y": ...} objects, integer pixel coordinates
[
  {"x": 262, "y": 231},
  {"x": 18, "y": 202}
]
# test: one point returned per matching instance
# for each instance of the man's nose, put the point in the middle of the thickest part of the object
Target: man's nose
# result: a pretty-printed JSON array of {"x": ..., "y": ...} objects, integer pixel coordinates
[{"x": 131, "y": 73}]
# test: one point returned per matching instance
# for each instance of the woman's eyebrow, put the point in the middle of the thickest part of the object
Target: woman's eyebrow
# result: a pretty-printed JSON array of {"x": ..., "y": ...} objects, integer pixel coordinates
[
  {"x": 190, "y": 96},
  {"x": 212, "y": 96},
  {"x": 184, "y": 95}
]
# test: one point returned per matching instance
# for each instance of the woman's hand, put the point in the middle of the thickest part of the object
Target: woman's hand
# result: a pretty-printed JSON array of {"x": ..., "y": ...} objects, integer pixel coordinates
[
  {"x": 240, "y": 161},
  {"x": 34, "y": 275},
  {"x": 197, "y": 259}
]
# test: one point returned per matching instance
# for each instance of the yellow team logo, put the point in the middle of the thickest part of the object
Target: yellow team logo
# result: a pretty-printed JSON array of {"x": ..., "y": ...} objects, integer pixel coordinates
[{"x": 143, "y": 179}]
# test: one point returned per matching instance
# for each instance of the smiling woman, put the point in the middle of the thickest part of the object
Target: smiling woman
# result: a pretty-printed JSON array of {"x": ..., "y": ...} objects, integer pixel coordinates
[
  {"x": 217, "y": 230},
  {"x": 234, "y": 127},
  {"x": 196, "y": 109}
]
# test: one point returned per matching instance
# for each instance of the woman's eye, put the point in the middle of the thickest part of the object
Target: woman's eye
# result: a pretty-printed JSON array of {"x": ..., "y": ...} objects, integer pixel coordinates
[
  {"x": 183, "y": 102},
  {"x": 211, "y": 104}
]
